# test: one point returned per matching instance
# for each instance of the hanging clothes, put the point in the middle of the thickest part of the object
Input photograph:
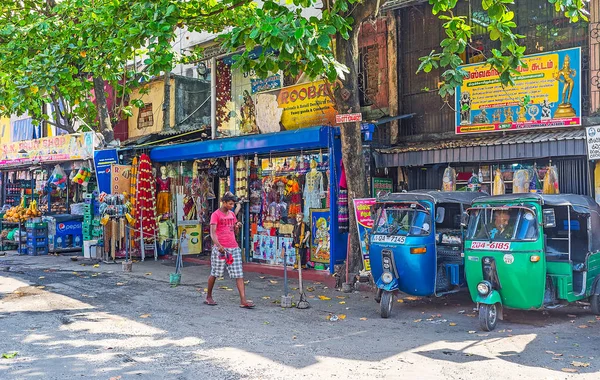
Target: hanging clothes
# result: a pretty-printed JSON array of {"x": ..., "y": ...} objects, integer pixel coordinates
[{"x": 313, "y": 192}]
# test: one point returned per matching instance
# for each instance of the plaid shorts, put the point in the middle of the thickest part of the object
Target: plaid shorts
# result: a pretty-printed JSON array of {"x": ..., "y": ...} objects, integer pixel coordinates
[{"x": 218, "y": 263}]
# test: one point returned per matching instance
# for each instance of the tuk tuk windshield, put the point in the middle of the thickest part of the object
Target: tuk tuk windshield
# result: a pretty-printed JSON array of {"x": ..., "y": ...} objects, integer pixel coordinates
[
  {"x": 403, "y": 221},
  {"x": 502, "y": 224}
]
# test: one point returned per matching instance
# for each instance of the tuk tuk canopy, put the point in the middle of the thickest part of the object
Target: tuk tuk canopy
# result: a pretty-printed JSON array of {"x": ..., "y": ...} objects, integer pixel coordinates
[{"x": 435, "y": 196}]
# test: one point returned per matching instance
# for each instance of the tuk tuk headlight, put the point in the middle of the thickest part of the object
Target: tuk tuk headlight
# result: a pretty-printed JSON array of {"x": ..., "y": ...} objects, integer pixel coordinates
[
  {"x": 484, "y": 288},
  {"x": 387, "y": 277}
]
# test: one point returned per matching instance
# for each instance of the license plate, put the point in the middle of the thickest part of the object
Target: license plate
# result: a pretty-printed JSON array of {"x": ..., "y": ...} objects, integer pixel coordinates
[
  {"x": 486, "y": 245},
  {"x": 389, "y": 239}
]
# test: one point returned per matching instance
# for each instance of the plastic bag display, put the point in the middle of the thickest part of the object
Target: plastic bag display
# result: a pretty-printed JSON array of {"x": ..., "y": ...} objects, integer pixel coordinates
[
  {"x": 83, "y": 176},
  {"x": 449, "y": 179},
  {"x": 551, "y": 181},
  {"x": 473, "y": 184},
  {"x": 58, "y": 178},
  {"x": 535, "y": 186},
  {"x": 521, "y": 180},
  {"x": 499, "y": 187}
]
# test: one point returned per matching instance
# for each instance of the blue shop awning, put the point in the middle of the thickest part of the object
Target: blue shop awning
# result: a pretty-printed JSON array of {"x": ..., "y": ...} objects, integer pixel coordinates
[{"x": 307, "y": 138}]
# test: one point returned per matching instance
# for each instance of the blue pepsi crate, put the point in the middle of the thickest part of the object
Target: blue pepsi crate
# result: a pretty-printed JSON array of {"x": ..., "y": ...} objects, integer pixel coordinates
[
  {"x": 36, "y": 233},
  {"x": 37, "y": 242},
  {"x": 39, "y": 251}
]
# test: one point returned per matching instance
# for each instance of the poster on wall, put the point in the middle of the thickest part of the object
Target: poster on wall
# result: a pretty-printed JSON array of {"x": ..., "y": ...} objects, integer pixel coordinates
[
  {"x": 286, "y": 244},
  {"x": 120, "y": 178},
  {"x": 593, "y": 142},
  {"x": 362, "y": 212},
  {"x": 190, "y": 238},
  {"x": 382, "y": 185},
  {"x": 547, "y": 94},
  {"x": 320, "y": 247}
]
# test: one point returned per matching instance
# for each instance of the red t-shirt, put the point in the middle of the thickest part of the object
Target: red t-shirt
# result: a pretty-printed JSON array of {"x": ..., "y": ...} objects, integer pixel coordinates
[{"x": 225, "y": 228}]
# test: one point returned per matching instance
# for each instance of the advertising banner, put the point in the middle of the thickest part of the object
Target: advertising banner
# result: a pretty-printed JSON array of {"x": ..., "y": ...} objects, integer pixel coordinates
[
  {"x": 362, "y": 211},
  {"x": 190, "y": 237},
  {"x": 103, "y": 160},
  {"x": 121, "y": 177},
  {"x": 76, "y": 146},
  {"x": 547, "y": 94}
]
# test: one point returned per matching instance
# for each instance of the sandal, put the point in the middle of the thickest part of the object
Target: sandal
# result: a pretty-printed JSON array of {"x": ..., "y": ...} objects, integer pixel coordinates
[
  {"x": 213, "y": 303},
  {"x": 247, "y": 305}
]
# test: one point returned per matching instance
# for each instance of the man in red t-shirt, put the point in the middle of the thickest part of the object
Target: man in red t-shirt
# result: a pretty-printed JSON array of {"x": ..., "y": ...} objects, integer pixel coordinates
[{"x": 225, "y": 250}]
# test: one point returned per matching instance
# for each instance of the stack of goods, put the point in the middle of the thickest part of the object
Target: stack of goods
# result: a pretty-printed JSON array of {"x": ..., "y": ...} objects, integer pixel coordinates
[
  {"x": 551, "y": 181},
  {"x": 145, "y": 210},
  {"x": 449, "y": 179},
  {"x": 92, "y": 230},
  {"x": 20, "y": 214},
  {"x": 499, "y": 187},
  {"x": 37, "y": 238},
  {"x": 82, "y": 177}
]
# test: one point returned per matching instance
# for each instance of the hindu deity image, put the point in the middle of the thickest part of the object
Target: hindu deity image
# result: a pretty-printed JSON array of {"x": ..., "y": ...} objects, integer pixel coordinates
[{"x": 565, "y": 76}]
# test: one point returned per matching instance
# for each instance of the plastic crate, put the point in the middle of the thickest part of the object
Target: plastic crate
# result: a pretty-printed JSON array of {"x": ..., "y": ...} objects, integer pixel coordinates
[
  {"x": 23, "y": 250},
  {"x": 35, "y": 233},
  {"x": 39, "y": 251},
  {"x": 37, "y": 242},
  {"x": 36, "y": 225}
]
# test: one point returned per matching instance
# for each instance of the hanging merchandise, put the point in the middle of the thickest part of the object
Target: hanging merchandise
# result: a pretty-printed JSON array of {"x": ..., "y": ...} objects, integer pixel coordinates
[
  {"x": 521, "y": 181},
  {"x": 535, "y": 185},
  {"x": 499, "y": 187},
  {"x": 343, "y": 211},
  {"x": 146, "y": 209},
  {"x": 474, "y": 184},
  {"x": 58, "y": 178},
  {"x": 551, "y": 181},
  {"x": 449, "y": 179},
  {"x": 163, "y": 196},
  {"x": 82, "y": 177},
  {"x": 241, "y": 179},
  {"x": 313, "y": 190}
]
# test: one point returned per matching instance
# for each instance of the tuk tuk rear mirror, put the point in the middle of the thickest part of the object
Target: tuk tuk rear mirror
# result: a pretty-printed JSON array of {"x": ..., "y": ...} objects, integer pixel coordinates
[
  {"x": 464, "y": 219},
  {"x": 548, "y": 218},
  {"x": 440, "y": 214}
]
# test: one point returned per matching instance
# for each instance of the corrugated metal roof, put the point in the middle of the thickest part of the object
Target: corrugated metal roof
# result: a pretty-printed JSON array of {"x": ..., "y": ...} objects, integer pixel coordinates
[
  {"x": 493, "y": 147},
  {"x": 391, "y": 5},
  {"x": 489, "y": 140}
]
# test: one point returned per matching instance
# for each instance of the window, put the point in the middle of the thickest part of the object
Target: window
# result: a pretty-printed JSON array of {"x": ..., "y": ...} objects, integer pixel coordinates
[
  {"x": 503, "y": 224},
  {"x": 145, "y": 116}
]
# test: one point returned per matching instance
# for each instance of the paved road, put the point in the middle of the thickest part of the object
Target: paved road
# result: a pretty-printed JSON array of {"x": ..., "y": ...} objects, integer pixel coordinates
[{"x": 70, "y": 321}]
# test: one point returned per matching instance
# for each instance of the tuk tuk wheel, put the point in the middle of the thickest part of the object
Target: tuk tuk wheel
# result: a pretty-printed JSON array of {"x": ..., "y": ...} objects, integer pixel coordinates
[
  {"x": 387, "y": 301},
  {"x": 595, "y": 304},
  {"x": 488, "y": 317},
  {"x": 378, "y": 295}
]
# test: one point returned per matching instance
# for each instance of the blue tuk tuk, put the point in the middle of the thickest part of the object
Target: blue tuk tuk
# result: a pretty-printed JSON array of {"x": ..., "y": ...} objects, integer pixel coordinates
[{"x": 416, "y": 244}]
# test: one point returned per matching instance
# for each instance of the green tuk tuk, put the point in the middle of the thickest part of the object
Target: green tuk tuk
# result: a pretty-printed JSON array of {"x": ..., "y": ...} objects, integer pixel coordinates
[{"x": 532, "y": 251}]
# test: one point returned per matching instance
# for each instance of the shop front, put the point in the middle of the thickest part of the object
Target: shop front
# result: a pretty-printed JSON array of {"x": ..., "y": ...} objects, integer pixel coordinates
[
  {"x": 423, "y": 165},
  {"x": 45, "y": 184},
  {"x": 277, "y": 177}
]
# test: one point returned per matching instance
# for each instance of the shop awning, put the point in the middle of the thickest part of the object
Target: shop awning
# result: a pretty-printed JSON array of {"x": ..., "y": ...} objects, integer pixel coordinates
[
  {"x": 492, "y": 147},
  {"x": 307, "y": 138}
]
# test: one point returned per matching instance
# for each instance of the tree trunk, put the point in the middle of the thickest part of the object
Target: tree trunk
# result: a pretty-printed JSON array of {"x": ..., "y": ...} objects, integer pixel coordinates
[
  {"x": 103, "y": 115},
  {"x": 347, "y": 101}
]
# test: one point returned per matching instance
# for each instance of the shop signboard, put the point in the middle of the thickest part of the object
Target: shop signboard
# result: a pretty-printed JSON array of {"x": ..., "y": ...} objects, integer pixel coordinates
[
  {"x": 295, "y": 107},
  {"x": 348, "y": 118},
  {"x": 103, "y": 160},
  {"x": 120, "y": 179},
  {"x": 547, "y": 94},
  {"x": 362, "y": 212},
  {"x": 76, "y": 146},
  {"x": 593, "y": 142},
  {"x": 383, "y": 185}
]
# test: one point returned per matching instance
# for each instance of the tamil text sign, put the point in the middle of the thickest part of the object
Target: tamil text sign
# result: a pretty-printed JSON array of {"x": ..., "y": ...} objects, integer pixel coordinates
[{"x": 547, "y": 94}]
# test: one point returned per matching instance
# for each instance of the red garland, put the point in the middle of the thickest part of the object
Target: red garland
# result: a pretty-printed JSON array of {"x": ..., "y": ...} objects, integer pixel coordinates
[{"x": 145, "y": 205}]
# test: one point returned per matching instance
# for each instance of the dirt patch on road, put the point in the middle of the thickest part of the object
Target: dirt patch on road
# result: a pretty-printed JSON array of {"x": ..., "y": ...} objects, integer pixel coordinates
[{"x": 21, "y": 292}]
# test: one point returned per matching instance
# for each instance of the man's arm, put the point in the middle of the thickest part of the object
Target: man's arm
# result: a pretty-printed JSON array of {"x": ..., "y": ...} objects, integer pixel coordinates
[{"x": 213, "y": 236}]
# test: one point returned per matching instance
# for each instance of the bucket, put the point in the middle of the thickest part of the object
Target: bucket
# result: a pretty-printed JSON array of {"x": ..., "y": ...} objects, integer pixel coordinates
[
  {"x": 175, "y": 279},
  {"x": 127, "y": 266},
  {"x": 286, "y": 301}
]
